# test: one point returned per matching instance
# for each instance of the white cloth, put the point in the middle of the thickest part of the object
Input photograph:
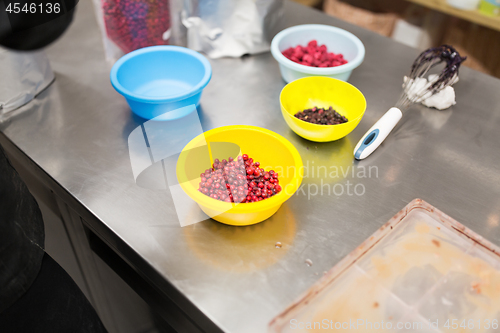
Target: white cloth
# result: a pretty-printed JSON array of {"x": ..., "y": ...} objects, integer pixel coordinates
[{"x": 440, "y": 100}]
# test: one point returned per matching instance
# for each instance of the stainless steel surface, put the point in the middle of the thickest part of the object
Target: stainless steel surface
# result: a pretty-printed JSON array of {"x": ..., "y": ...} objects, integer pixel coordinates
[{"x": 236, "y": 277}]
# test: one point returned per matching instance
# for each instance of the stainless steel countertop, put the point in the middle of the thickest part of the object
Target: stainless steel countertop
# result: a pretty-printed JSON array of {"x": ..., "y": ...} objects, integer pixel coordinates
[{"x": 77, "y": 131}]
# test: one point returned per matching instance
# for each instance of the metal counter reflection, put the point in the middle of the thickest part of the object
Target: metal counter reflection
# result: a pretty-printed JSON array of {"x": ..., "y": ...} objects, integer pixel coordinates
[
  {"x": 327, "y": 162},
  {"x": 242, "y": 249}
]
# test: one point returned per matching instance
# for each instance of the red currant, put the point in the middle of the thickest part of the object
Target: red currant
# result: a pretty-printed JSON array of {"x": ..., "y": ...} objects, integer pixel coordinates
[{"x": 239, "y": 180}]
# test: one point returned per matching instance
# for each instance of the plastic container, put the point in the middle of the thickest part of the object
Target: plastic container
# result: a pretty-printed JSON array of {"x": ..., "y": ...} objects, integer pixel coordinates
[
  {"x": 322, "y": 92},
  {"x": 464, "y": 4},
  {"x": 128, "y": 25},
  {"x": 420, "y": 272},
  {"x": 336, "y": 40},
  {"x": 273, "y": 151},
  {"x": 24, "y": 76},
  {"x": 158, "y": 79},
  {"x": 490, "y": 7}
]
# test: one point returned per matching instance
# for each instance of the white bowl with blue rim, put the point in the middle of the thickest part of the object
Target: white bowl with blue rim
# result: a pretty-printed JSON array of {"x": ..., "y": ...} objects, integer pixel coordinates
[{"x": 336, "y": 40}]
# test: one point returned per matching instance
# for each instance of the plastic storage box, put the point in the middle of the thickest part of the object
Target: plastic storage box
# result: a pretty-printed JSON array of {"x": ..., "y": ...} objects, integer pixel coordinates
[{"x": 420, "y": 272}]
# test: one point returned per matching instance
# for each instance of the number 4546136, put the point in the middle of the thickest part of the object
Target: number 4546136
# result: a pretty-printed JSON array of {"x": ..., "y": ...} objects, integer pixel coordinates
[
  {"x": 33, "y": 8},
  {"x": 471, "y": 324}
]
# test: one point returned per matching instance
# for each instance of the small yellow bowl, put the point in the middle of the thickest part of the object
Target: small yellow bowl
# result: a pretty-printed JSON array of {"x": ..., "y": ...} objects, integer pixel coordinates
[
  {"x": 322, "y": 92},
  {"x": 273, "y": 151}
]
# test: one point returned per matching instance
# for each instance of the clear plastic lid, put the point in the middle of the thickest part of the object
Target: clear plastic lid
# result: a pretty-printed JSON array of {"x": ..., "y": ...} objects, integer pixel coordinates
[{"x": 421, "y": 272}]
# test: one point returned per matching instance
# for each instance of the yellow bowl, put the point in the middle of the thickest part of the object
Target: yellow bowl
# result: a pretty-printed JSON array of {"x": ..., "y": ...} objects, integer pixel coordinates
[
  {"x": 322, "y": 92},
  {"x": 273, "y": 151}
]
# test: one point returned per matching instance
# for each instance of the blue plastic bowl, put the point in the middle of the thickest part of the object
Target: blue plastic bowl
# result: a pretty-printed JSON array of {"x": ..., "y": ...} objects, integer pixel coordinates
[{"x": 158, "y": 79}]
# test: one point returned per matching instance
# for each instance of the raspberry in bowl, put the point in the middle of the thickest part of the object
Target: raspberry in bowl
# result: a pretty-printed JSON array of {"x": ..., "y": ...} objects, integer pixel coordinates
[
  {"x": 328, "y": 51},
  {"x": 314, "y": 55}
]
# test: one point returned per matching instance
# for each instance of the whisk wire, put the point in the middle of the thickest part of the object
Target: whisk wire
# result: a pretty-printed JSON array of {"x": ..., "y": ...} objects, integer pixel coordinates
[{"x": 412, "y": 93}]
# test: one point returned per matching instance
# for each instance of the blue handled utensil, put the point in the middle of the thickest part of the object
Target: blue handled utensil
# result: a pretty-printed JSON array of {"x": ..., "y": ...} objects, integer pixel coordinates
[{"x": 413, "y": 92}]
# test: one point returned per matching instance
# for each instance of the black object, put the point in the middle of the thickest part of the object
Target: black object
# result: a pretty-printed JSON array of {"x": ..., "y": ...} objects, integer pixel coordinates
[
  {"x": 33, "y": 24},
  {"x": 21, "y": 235},
  {"x": 53, "y": 304},
  {"x": 321, "y": 116},
  {"x": 36, "y": 294},
  {"x": 434, "y": 56}
]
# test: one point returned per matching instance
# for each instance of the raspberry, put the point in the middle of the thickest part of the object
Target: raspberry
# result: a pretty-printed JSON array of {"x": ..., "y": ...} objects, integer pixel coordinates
[
  {"x": 312, "y": 43},
  {"x": 288, "y": 52},
  {"x": 308, "y": 58},
  {"x": 314, "y": 55}
]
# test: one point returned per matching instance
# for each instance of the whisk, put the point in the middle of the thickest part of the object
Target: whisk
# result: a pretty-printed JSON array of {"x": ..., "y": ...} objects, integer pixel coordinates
[{"x": 414, "y": 91}]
